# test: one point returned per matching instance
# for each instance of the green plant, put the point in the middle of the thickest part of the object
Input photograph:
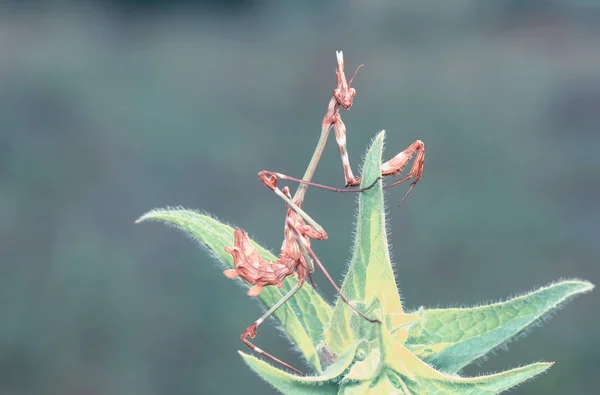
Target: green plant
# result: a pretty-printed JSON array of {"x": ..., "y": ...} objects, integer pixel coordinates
[{"x": 416, "y": 352}]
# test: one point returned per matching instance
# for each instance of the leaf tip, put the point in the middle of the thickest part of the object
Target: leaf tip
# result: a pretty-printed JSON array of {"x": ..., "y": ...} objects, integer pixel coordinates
[
  {"x": 582, "y": 286},
  {"x": 243, "y": 354},
  {"x": 250, "y": 360},
  {"x": 586, "y": 286},
  {"x": 543, "y": 367},
  {"x": 537, "y": 368},
  {"x": 152, "y": 214},
  {"x": 142, "y": 218}
]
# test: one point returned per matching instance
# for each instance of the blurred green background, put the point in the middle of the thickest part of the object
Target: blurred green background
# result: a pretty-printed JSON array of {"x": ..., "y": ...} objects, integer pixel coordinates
[{"x": 111, "y": 108}]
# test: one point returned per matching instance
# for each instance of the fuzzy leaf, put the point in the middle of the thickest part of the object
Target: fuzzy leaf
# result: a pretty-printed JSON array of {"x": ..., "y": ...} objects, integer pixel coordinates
[
  {"x": 407, "y": 370},
  {"x": 292, "y": 384},
  {"x": 482, "y": 385},
  {"x": 426, "y": 380},
  {"x": 450, "y": 339},
  {"x": 370, "y": 276},
  {"x": 304, "y": 316},
  {"x": 401, "y": 371}
]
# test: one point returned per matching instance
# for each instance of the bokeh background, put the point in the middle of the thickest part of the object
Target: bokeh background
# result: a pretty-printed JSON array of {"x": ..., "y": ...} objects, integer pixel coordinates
[{"x": 111, "y": 108}]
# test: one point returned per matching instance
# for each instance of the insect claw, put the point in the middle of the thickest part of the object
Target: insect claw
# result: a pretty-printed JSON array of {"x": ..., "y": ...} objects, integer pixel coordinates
[
  {"x": 269, "y": 179},
  {"x": 312, "y": 282},
  {"x": 249, "y": 332}
]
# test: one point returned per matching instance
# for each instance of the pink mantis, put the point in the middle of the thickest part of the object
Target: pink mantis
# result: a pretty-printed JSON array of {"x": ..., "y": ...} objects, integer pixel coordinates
[{"x": 296, "y": 256}]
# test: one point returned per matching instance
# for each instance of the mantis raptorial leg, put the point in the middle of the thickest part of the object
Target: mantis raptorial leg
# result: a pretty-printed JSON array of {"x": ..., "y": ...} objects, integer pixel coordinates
[{"x": 343, "y": 97}]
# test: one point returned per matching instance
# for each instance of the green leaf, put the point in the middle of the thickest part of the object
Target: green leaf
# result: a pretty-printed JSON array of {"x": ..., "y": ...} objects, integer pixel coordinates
[
  {"x": 306, "y": 314},
  {"x": 420, "y": 378},
  {"x": 401, "y": 371},
  {"x": 291, "y": 384},
  {"x": 287, "y": 383},
  {"x": 450, "y": 339},
  {"x": 483, "y": 385},
  {"x": 370, "y": 275}
]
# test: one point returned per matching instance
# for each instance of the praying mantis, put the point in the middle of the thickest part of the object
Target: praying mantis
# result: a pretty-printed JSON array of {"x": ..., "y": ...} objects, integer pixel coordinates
[{"x": 296, "y": 256}]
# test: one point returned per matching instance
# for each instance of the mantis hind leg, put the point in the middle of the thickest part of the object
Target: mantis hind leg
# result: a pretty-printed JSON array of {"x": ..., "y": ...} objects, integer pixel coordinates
[{"x": 251, "y": 330}]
